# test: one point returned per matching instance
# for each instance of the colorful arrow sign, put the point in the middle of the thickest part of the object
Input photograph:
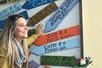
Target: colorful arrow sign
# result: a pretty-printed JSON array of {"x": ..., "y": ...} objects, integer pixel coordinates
[
  {"x": 10, "y": 10},
  {"x": 42, "y": 14},
  {"x": 24, "y": 14},
  {"x": 59, "y": 60},
  {"x": 1, "y": 24},
  {"x": 61, "y": 34},
  {"x": 29, "y": 4},
  {"x": 56, "y": 46},
  {"x": 60, "y": 14}
]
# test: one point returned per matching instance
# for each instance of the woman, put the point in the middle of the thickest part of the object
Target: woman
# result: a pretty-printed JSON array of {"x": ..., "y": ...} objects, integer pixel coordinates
[{"x": 13, "y": 45}]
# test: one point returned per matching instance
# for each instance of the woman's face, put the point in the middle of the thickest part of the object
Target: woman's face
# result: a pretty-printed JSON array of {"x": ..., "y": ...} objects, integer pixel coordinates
[{"x": 21, "y": 29}]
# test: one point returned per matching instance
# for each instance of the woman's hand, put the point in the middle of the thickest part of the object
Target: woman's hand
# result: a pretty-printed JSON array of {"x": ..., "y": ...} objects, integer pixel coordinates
[{"x": 39, "y": 29}]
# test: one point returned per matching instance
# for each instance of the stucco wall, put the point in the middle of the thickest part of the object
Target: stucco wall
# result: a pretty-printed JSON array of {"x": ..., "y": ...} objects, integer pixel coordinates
[{"x": 92, "y": 28}]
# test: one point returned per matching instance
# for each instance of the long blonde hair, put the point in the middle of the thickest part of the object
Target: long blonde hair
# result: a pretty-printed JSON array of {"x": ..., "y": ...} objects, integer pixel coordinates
[{"x": 7, "y": 35}]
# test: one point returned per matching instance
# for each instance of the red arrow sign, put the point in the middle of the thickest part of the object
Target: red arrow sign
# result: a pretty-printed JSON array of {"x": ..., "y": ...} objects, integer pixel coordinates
[{"x": 61, "y": 34}]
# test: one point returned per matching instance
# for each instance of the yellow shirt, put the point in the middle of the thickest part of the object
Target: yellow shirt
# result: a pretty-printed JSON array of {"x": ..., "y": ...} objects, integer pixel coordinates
[{"x": 3, "y": 52}]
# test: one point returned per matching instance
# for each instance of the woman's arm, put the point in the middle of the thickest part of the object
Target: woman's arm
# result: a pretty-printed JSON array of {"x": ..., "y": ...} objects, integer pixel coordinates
[
  {"x": 31, "y": 39},
  {"x": 26, "y": 43}
]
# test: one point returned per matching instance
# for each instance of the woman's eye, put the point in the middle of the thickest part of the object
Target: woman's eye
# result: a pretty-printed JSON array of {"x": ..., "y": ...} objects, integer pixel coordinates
[{"x": 21, "y": 25}]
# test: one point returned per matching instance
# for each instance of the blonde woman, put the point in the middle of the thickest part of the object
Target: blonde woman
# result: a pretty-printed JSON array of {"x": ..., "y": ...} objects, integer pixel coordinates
[{"x": 14, "y": 42}]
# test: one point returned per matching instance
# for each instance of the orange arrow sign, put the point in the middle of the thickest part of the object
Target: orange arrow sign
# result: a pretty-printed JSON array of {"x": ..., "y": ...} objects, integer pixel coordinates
[{"x": 61, "y": 34}]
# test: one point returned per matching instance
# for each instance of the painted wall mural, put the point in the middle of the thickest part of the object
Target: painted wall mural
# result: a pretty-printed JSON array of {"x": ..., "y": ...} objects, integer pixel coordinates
[
  {"x": 59, "y": 46},
  {"x": 8, "y": 1}
]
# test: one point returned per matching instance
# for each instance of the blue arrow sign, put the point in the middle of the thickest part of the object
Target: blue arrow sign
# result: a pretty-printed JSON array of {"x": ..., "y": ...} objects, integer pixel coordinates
[
  {"x": 56, "y": 46},
  {"x": 60, "y": 14},
  {"x": 29, "y": 4},
  {"x": 10, "y": 10},
  {"x": 1, "y": 24},
  {"x": 33, "y": 64},
  {"x": 25, "y": 14}
]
